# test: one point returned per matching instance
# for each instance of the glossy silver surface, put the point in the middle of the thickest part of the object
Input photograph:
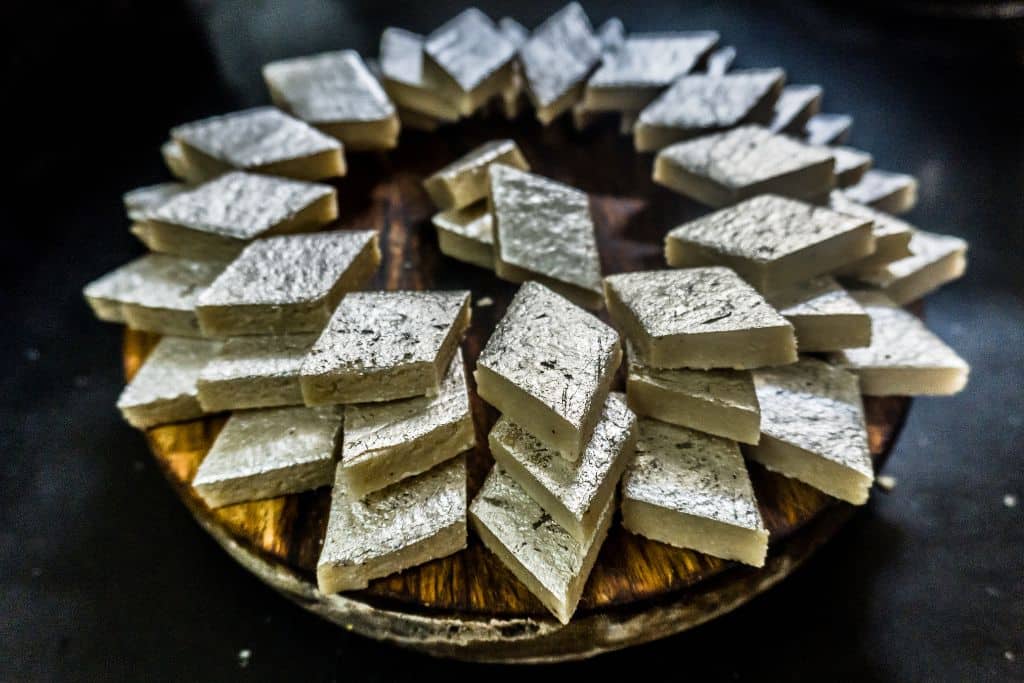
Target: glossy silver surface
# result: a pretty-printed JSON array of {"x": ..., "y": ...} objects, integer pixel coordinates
[
  {"x": 332, "y": 87},
  {"x": 469, "y": 48},
  {"x": 646, "y": 60},
  {"x": 700, "y": 102},
  {"x": 559, "y": 55}
]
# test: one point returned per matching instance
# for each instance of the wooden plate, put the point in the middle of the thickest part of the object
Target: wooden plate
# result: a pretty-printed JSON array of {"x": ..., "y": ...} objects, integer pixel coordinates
[{"x": 468, "y": 605}]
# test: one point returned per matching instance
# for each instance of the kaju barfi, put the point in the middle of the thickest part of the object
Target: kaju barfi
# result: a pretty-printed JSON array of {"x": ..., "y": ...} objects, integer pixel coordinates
[
  {"x": 466, "y": 234},
  {"x": 255, "y": 372},
  {"x": 721, "y": 60},
  {"x": 217, "y": 219},
  {"x": 512, "y": 97},
  {"x": 698, "y": 318},
  {"x": 388, "y": 531},
  {"x": 164, "y": 389},
  {"x": 725, "y": 168},
  {"x": 892, "y": 235},
  {"x": 692, "y": 490},
  {"x": 556, "y": 60},
  {"x": 142, "y": 199},
  {"x": 934, "y": 260},
  {"x": 634, "y": 73},
  {"x": 851, "y": 165},
  {"x": 287, "y": 284},
  {"x": 543, "y": 231},
  {"x": 828, "y": 129},
  {"x": 772, "y": 242},
  {"x": 335, "y": 92},
  {"x": 465, "y": 180},
  {"x": 470, "y": 59},
  {"x": 905, "y": 358},
  {"x": 719, "y": 402},
  {"x": 574, "y": 494},
  {"x": 612, "y": 34},
  {"x": 267, "y": 453},
  {"x": 548, "y": 367},
  {"x": 401, "y": 66},
  {"x": 174, "y": 160},
  {"x": 825, "y": 316},
  {"x": 813, "y": 429},
  {"x": 699, "y": 104},
  {"x": 156, "y": 293},
  {"x": 552, "y": 564},
  {"x": 795, "y": 106},
  {"x": 382, "y": 346},
  {"x": 885, "y": 191},
  {"x": 386, "y": 442},
  {"x": 260, "y": 140}
]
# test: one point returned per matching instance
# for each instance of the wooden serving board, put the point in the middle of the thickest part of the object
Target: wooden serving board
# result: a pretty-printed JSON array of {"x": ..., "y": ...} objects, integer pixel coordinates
[{"x": 469, "y": 605}]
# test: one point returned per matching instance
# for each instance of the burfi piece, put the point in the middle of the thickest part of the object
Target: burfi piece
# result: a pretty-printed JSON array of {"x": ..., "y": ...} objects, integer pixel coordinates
[
  {"x": 543, "y": 231},
  {"x": 412, "y": 522},
  {"x": 726, "y": 168},
  {"x": 892, "y": 235},
  {"x": 335, "y": 92},
  {"x": 795, "y": 106},
  {"x": 612, "y": 34},
  {"x": 645, "y": 64},
  {"x": 720, "y": 61},
  {"x": 381, "y": 346},
  {"x": 401, "y": 65},
  {"x": 885, "y": 191},
  {"x": 905, "y": 358},
  {"x": 512, "y": 98},
  {"x": 268, "y": 453},
  {"x": 828, "y": 129},
  {"x": 514, "y": 32},
  {"x": 155, "y": 293},
  {"x": 465, "y": 181},
  {"x": 387, "y": 442},
  {"x": 414, "y": 120},
  {"x": 698, "y": 318},
  {"x": 574, "y": 494},
  {"x": 851, "y": 165},
  {"x": 470, "y": 59},
  {"x": 164, "y": 389},
  {"x": 260, "y": 140},
  {"x": 699, "y": 104},
  {"x": 547, "y": 367},
  {"x": 692, "y": 490},
  {"x": 174, "y": 159},
  {"x": 552, "y": 564},
  {"x": 557, "y": 59},
  {"x": 825, "y": 316},
  {"x": 255, "y": 372},
  {"x": 289, "y": 284},
  {"x": 772, "y": 242},
  {"x": 812, "y": 428},
  {"x": 218, "y": 218},
  {"x": 467, "y": 234},
  {"x": 934, "y": 261},
  {"x": 720, "y": 402},
  {"x": 140, "y": 200}
]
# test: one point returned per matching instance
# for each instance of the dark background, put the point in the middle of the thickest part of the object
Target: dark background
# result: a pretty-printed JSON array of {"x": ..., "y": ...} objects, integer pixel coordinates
[{"x": 103, "y": 574}]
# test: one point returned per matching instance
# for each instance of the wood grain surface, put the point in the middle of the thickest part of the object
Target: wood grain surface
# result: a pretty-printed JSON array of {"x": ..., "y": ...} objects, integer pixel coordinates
[{"x": 383, "y": 191}]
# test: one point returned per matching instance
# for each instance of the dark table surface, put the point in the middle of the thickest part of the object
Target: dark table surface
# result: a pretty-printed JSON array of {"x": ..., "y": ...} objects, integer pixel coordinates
[{"x": 103, "y": 574}]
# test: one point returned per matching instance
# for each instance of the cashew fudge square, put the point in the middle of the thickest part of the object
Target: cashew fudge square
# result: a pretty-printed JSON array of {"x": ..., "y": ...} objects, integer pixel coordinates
[
  {"x": 892, "y": 235},
  {"x": 401, "y": 65},
  {"x": 796, "y": 104},
  {"x": 467, "y": 234},
  {"x": 725, "y": 168},
  {"x": 825, "y": 316},
  {"x": 335, "y": 92},
  {"x": 387, "y": 442},
  {"x": 388, "y": 531},
  {"x": 548, "y": 367},
  {"x": 465, "y": 180},
  {"x": 255, "y": 372},
  {"x": 381, "y": 346},
  {"x": 828, "y": 129},
  {"x": 698, "y": 318},
  {"x": 771, "y": 241},
  {"x": 288, "y": 284},
  {"x": 268, "y": 453},
  {"x": 142, "y": 199},
  {"x": 574, "y": 494},
  {"x": 885, "y": 191},
  {"x": 692, "y": 490},
  {"x": 829, "y": 452},
  {"x": 851, "y": 165},
  {"x": 934, "y": 260}
]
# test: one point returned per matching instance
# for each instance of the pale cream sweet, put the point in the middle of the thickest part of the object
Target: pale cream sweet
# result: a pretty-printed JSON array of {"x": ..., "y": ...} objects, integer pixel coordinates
[
  {"x": 725, "y": 168},
  {"x": 934, "y": 261},
  {"x": 387, "y": 442},
  {"x": 828, "y": 129},
  {"x": 465, "y": 180},
  {"x": 288, "y": 284},
  {"x": 771, "y": 241},
  {"x": 905, "y": 358},
  {"x": 382, "y": 346},
  {"x": 142, "y": 199},
  {"x": 574, "y": 494},
  {"x": 174, "y": 160},
  {"x": 267, "y": 453},
  {"x": 825, "y": 316},
  {"x": 692, "y": 490},
  {"x": 721, "y": 60},
  {"x": 467, "y": 234},
  {"x": 164, "y": 389},
  {"x": 813, "y": 429},
  {"x": 254, "y": 372},
  {"x": 851, "y": 165},
  {"x": 892, "y": 235},
  {"x": 552, "y": 564},
  {"x": 795, "y": 106},
  {"x": 401, "y": 66},
  {"x": 886, "y": 191},
  {"x": 412, "y": 522},
  {"x": 698, "y": 318}
]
